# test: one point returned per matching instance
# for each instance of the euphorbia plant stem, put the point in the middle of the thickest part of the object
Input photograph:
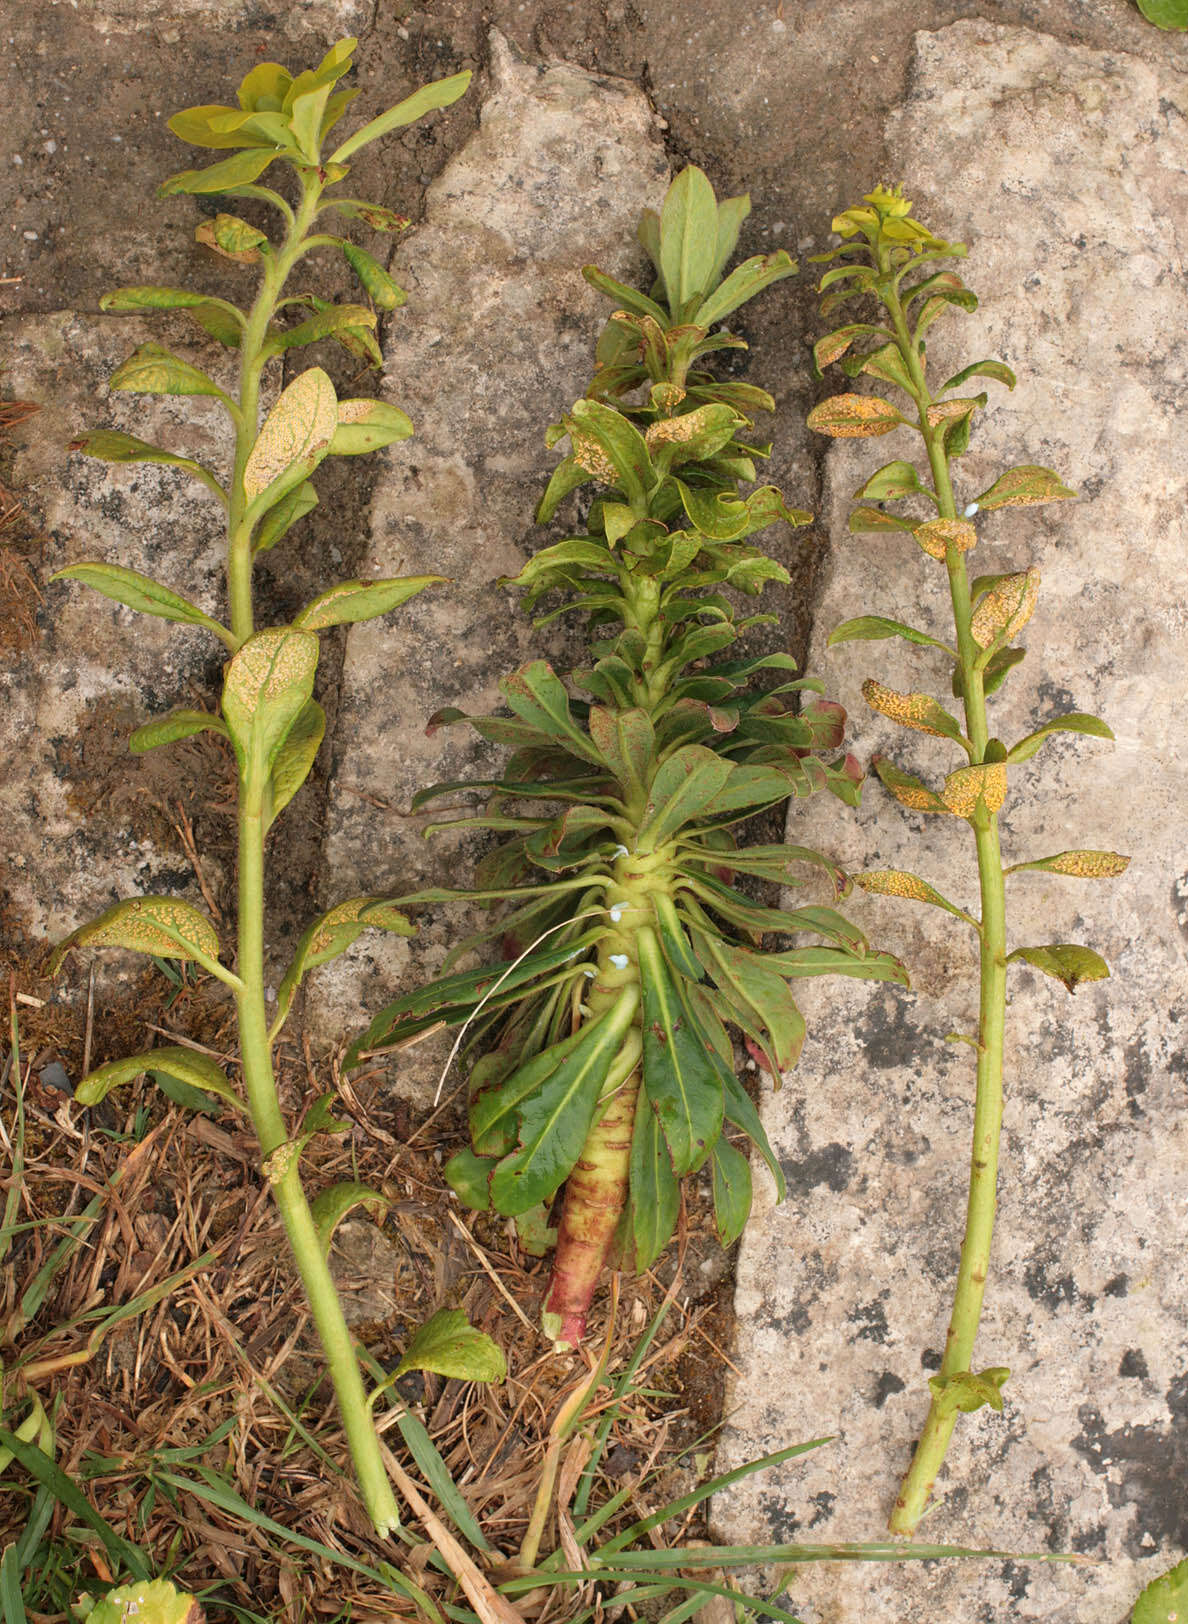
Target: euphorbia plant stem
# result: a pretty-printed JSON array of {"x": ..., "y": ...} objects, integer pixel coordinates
[
  {"x": 267, "y": 713},
  {"x": 643, "y": 780},
  {"x": 987, "y": 613}
]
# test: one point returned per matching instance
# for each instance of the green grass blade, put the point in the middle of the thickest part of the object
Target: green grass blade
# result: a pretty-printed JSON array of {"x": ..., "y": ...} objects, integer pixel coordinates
[
  {"x": 216, "y": 1491},
  {"x": 437, "y": 1474},
  {"x": 10, "y": 1588},
  {"x": 40, "y": 1466},
  {"x": 703, "y": 1492}
]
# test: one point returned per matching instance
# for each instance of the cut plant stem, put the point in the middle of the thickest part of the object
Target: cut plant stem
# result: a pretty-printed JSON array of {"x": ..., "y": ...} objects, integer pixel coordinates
[{"x": 983, "y": 1176}]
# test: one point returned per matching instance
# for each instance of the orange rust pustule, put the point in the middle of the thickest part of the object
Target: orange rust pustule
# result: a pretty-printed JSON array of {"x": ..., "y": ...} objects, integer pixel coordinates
[{"x": 595, "y": 1195}]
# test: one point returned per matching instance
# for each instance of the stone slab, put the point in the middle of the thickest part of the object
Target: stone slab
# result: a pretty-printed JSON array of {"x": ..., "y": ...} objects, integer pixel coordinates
[
  {"x": 496, "y": 341},
  {"x": 97, "y": 665},
  {"x": 1065, "y": 170}
]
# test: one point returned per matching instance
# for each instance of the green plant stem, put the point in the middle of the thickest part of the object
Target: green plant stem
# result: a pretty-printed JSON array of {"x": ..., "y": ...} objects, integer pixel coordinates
[
  {"x": 970, "y": 1290},
  {"x": 260, "y": 1085},
  {"x": 254, "y": 1038},
  {"x": 252, "y": 358}
]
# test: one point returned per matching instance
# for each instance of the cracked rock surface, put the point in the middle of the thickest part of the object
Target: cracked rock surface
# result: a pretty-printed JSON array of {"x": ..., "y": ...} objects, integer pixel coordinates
[{"x": 843, "y": 1292}]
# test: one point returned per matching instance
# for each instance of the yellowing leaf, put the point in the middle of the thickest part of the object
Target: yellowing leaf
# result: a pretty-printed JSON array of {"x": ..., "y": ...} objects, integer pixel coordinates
[
  {"x": 296, "y": 434},
  {"x": 854, "y": 417},
  {"x": 162, "y": 926},
  {"x": 266, "y": 686},
  {"x": 1005, "y": 609},
  {"x": 918, "y": 711},
  {"x": 1079, "y": 865},
  {"x": 970, "y": 787},
  {"x": 938, "y": 535}
]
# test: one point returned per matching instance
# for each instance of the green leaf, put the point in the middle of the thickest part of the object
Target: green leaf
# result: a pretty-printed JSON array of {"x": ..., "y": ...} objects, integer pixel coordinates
[
  {"x": 235, "y": 238},
  {"x": 610, "y": 448},
  {"x": 854, "y": 417},
  {"x": 110, "y": 445},
  {"x": 295, "y": 437},
  {"x": 1066, "y": 962},
  {"x": 1024, "y": 487},
  {"x": 746, "y": 982},
  {"x": 908, "y": 791},
  {"x": 366, "y": 425},
  {"x": 188, "y": 1066},
  {"x": 732, "y": 1191},
  {"x": 688, "y": 237},
  {"x": 264, "y": 88},
  {"x": 556, "y": 1117},
  {"x": 872, "y": 628},
  {"x": 867, "y": 521},
  {"x": 350, "y": 601},
  {"x": 441, "y": 93},
  {"x": 160, "y": 926},
  {"x": 1166, "y": 1598},
  {"x": 266, "y": 685},
  {"x": 683, "y": 1076},
  {"x": 719, "y": 515},
  {"x": 626, "y": 741},
  {"x": 281, "y": 518},
  {"x": 1164, "y": 14},
  {"x": 1080, "y": 865},
  {"x": 693, "y": 437},
  {"x": 467, "y": 1174},
  {"x": 142, "y": 593},
  {"x": 998, "y": 669},
  {"x": 154, "y": 1602},
  {"x": 179, "y": 724},
  {"x": 743, "y": 283},
  {"x": 332, "y": 1205},
  {"x": 332, "y": 933},
  {"x": 969, "y": 1392},
  {"x": 241, "y": 170},
  {"x": 223, "y": 323},
  {"x": 566, "y": 476},
  {"x": 673, "y": 938},
  {"x": 1075, "y": 722},
  {"x": 890, "y": 483},
  {"x": 151, "y": 297},
  {"x": 374, "y": 280},
  {"x": 152, "y": 370},
  {"x": 628, "y": 298},
  {"x": 449, "y": 1345},
  {"x": 372, "y": 214},
  {"x": 997, "y": 370},
  {"x": 684, "y": 786},
  {"x": 295, "y": 758},
  {"x": 331, "y": 321},
  {"x": 837, "y": 961},
  {"x": 740, "y": 1112},
  {"x": 305, "y": 117},
  {"x": 885, "y": 363},
  {"x": 655, "y": 1191},
  {"x": 538, "y": 697}
]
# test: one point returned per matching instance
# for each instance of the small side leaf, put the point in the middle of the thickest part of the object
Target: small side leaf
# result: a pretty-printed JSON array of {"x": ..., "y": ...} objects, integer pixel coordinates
[
  {"x": 188, "y": 1066},
  {"x": 1080, "y": 865},
  {"x": 332, "y": 1205},
  {"x": 160, "y": 926},
  {"x": 351, "y": 601},
  {"x": 142, "y": 593},
  {"x": 854, "y": 417},
  {"x": 1076, "y": 722},
  {"x": 732, "y": 1191},
  {"x": 179, "y": 724},
  {"x": 872, "y": 628},
  {"x": 1066, "y": 962},
  {"x": 449, "y": 1345},
  {"x": 367, "y": 425},
  {"x": 1025, "y": 487},
  {"x": 152, "y": 370},
  {"x": 896, "y": 882}
]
